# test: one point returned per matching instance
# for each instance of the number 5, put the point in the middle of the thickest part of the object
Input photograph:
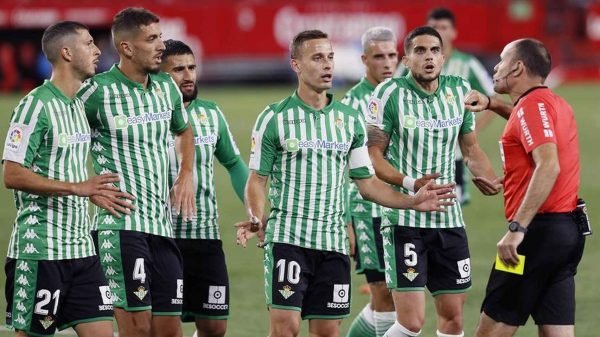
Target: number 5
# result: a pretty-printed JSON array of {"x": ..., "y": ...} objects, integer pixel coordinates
[{"x": 410, "y": 255}]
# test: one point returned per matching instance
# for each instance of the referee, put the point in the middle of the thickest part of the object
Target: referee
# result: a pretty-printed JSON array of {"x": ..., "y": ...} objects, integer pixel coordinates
[{"x": 541, "y": 167}]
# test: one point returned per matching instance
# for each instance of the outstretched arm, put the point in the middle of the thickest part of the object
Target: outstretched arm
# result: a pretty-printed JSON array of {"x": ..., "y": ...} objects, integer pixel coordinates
[
  {"x": 478, "y": 163},
  {"x": 476, "y": 102}
]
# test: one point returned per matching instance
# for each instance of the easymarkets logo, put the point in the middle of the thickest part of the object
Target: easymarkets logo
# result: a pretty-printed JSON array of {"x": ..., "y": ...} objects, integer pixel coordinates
[
  {"x": 65, "y": 140},
  {"x": 412, "y": 122},
  {"x": 122, "y": 122},
  {"x": 294, "y": 145}
]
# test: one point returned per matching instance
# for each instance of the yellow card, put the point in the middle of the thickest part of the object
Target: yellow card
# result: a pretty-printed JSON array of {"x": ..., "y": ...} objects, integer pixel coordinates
[{"x": 518, "y": 269}]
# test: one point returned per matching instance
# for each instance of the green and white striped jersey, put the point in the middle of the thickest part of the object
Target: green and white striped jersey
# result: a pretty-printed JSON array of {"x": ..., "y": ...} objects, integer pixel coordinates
[
  {"x": 306, "y": 152},
  {"x": 212, "y": 138},
  {"x": 358, "y": 99},
  {"x": 50, "y": 135},
  {"x": 130, "y": 131},
  {"x": 424, "y": 130}
]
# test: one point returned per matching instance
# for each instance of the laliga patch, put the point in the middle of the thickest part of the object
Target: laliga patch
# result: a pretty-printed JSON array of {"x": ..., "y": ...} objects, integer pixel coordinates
[
  {"x": 374, "y": 106},
  {"x": 17, "y": 139}
]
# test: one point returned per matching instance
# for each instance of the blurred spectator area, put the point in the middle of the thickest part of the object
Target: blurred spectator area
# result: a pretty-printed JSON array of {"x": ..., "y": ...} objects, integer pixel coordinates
[{"x": 247, "y": 41}]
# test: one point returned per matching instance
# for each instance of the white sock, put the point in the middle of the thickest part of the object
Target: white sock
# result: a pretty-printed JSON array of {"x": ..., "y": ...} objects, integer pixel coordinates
[
  {"x": 397, "y": 330},
  {"x": 441, "y": 334},
  {"x": 383, "y": 321},
  {"x": 195, "y": 334},
  {"x": 368, "y": 314}
]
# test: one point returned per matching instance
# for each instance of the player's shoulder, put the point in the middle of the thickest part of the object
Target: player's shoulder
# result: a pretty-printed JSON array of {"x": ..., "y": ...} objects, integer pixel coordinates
[
  {"x": 453, "y": 81},
  {"x": 389, "y": 84},
  {"x": 161, "y": 76},
  {"x": 103, "y": 78},
  {"x": 344, "y": 108},
  {"x": 206, "y": 104}
]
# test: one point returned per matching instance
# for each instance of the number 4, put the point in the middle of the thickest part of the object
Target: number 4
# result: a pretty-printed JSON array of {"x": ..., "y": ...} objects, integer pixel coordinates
[{"x": 139, "y": 272}]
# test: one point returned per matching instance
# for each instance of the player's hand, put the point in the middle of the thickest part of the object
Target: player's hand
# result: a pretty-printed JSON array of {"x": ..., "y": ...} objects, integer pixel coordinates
[
  {"x": 488, "y": 187},
  {"x": 507, "y": 247},
  {"x": 476, "y": 101},
  {"x": 425, "y": 179},
  {"x": 116, "y": 203},
  {"x": 183, "y": 199},
  {"x": 97, "y": 185},
  {"x": 429, "y": 198},
  {"x": 245, "y": 230},
  {"x": 351, "y": 239}
]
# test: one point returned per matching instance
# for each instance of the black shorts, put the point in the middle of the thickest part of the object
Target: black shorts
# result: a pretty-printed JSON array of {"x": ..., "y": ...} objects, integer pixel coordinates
[
  {"x": 434, "y": 258},
  {"x": 369, "y": 248},
  {"x": 144, "y": 271},
  {"x": 552, "y": 248},
  {"x": 314, "y": 282},
  {"x": 206, "y": 291},
  {"x": 43, "y": 296}
]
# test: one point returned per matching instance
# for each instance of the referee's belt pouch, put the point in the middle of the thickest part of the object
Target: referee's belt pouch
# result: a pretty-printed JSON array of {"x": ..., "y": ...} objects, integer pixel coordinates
[{"x": 581, "y": 218}]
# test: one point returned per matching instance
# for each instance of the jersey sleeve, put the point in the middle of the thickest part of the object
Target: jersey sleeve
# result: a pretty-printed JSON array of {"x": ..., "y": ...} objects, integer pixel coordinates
[
  {"x": 479, "y": 78},
  {"x": 91, "y": 96},
  {"x": 263, "y": 146},
  {"x": 382, "y": 108},
  {"x": 468, "y": 124},
  {"x": 179, "y": 119},
  {"x": 359, "y": 163},
  {"x": 536, "y": 124},
  {"x": 27, "y": 130},
  {"x": 226, "y": 149}
]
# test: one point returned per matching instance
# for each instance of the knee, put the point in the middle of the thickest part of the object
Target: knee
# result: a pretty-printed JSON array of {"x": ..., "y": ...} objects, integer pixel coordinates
[
  {"x": 414, "y": 325},
  {"x": 285, "y": 329},
  {"x": 213, "y": 329}
]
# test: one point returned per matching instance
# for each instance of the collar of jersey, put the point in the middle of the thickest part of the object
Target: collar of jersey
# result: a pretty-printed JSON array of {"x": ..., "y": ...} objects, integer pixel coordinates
[
  {"x": 59, "y": 94},
  {"x": 419, "y": 91},
  {"x": 309, "y": 108},
  {"x": 116, "y": 72}
]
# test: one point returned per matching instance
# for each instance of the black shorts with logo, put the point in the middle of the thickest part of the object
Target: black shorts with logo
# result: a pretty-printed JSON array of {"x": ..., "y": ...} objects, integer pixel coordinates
[
  {"x": 144, "y": 271},
  {"x": 422, "y": 257},
  {"x": 206, "y": 291},
  {"x": 552, "y": 248},
  {"x": 314, "y": 282},
  {"x": 43, "y": 296}
]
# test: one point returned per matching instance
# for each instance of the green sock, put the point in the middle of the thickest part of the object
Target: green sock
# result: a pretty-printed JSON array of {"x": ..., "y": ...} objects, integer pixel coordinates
[{"x": 362, "y": 326}]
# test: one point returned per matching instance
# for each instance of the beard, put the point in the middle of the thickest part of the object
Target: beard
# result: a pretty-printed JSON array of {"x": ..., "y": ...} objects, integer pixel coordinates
[{"x": 191, "y": 96}]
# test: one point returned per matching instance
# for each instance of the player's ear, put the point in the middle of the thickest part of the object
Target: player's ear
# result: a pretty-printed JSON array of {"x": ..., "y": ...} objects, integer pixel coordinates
[
  {"x": 295, "y": 65},
  {"x": 126, "y": 48},
  {"x": 363, "y": 57},
  {"x": 404, "y": 61},
  {"x": 65, "y": 54}
]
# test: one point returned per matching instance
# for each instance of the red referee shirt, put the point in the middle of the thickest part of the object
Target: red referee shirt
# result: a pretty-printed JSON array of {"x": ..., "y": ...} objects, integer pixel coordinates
[{"x": 540, "y": 117}]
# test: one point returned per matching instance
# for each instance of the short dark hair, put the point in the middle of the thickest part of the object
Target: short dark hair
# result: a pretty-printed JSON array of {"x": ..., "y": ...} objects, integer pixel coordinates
[
  {"x": 423, "y": 30},
  {"x": 130, "y": 20},
  {"x": 175, "y": 47},
  {"x": 52, "y": 40},
  {"x": 534, "y": 56},
  {"x": 299, "y": 39},
  {"x": 441, "y": 13}
]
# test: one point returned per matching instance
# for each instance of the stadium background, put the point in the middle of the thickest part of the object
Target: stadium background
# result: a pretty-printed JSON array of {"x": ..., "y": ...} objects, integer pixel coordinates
[{"x": 244, "y": 66}]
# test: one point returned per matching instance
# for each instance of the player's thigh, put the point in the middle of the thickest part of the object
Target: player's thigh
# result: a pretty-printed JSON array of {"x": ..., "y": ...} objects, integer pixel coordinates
[
  {"x": 167, "y": 276},
  {"x": 287, "y": 272},
  {"x": 125, "y": 257},
  {"x": 205, "y": 279},
  {"x": 328, "y": 295},
  {"x": 324, "y": 327},
  {"x": 406, "y": 260},
  {"x": 449, "y": 262},
  {"x": 88, "y": 298},
  {"x": 381, "y": 297},
  {"x": 283, "y": 322},
  {"x": 166, "y": 326},
  {"x": 95, "y": 329}
]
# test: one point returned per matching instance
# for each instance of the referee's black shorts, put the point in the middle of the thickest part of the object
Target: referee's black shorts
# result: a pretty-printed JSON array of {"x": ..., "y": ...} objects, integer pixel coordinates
[{"x": 552, "y": 248}]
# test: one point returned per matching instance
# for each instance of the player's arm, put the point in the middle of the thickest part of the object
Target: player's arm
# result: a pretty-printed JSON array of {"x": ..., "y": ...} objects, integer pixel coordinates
[
  {"x": 480, "y": 80},
  {"x": 228, "y": 155},
  {"x": 479, "y": 164},
  {"x": 475, "y": 101}
]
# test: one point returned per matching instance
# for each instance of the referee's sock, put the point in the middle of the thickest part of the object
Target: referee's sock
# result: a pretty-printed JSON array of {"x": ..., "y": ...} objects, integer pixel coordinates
[
  {"x": 397, "y": 330},
  {"x": 364, "y": 324},
  {"x": 383, "y": 321},
  {"x": 441, "y": 334}
]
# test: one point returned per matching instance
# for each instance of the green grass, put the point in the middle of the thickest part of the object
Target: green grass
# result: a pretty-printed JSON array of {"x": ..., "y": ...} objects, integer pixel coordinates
[{"x": 484, "y": 217}]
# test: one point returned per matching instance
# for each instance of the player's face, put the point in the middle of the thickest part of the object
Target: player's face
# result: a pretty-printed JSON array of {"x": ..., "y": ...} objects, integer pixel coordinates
[
  {"x": 504, "y": 69},
  {"x": 147, "y": 47},
  {"x": 445, "y": 28},
  {"x": 315, "y": 64},
  {"x": 381, "y": 60},
  {"x": 85, "y": 54},
  {"x": 183, "y": 70},
  {"x": 425, "y": 59}
]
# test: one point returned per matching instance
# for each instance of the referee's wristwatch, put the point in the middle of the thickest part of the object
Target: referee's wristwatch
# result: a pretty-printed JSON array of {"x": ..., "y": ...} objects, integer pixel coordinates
[{"x": 514, "y": 226}]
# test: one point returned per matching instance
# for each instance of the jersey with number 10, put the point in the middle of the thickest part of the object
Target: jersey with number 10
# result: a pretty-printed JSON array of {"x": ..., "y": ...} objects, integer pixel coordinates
[
  {"x": 306, "y": 152},
  {"x": 130, "y": 131},
  {"x": 424, "y": 130},
  {"x": 49, "y": 134}
]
